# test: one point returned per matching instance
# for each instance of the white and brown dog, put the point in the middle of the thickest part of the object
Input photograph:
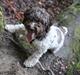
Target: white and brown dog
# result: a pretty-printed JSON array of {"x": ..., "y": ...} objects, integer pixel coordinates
[{"x": 54, "y": 39}]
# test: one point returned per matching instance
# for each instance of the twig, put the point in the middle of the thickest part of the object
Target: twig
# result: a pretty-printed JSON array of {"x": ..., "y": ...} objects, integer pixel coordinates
[{"x": 18, "y": 15}]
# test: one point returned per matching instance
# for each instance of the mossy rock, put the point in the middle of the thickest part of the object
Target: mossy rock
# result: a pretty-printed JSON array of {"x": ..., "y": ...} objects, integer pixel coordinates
[
  {"x": 1, "y": 20},
  {"x": 75, "y": 47},
  {"x": 75, "y": 44},
  {"x": 70, "y": 14},
  {"x": 22, "y": 41},
  {"x": 77, "y": 33}
]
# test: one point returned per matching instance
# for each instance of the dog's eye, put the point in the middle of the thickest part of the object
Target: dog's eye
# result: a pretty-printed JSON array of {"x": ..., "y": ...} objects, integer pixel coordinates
[
  {"x": 38, "y": 25},
  {"x": 27, "y": 26}
]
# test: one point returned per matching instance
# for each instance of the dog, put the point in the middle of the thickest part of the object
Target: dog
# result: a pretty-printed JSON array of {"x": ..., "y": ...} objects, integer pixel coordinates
[{"x": 54, "y": 39}]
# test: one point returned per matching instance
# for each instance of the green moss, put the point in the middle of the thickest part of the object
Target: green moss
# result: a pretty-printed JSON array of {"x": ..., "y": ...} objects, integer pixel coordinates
[
  {"x": 70, "y": 70},
  {"x": 1, "y": 20},
  {"x": 78, "y": 66},
  {"x": 76, "y": 43},
  {"x": 21, "y": 37},
  {"x": 77, "y": 33},
  {"x": 66, "y": 18}
]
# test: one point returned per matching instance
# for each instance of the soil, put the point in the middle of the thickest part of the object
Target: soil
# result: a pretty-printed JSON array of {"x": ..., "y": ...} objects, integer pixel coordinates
[{"x": 12, "y": 57}]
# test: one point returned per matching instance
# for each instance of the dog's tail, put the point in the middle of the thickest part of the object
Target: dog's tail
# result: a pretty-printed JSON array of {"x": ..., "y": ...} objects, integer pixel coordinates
[{"x": 64, "y": 30}]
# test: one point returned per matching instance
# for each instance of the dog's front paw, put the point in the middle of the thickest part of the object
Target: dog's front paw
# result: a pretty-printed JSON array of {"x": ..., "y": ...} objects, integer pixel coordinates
[{"x": 30, "y": 63}]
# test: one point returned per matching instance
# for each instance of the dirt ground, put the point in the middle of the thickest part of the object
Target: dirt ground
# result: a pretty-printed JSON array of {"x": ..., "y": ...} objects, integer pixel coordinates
[{"x": 11, "y": 59}]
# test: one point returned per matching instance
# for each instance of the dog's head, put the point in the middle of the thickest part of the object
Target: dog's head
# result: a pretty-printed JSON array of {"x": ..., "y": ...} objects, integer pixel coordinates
[
  {"x": 34, "y": 30},
  {"x": 36, "y": 21}
]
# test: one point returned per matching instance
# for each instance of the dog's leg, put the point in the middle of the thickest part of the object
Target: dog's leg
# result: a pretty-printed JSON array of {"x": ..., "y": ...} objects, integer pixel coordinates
[
  {"x": 41, "y": 66},
  {"x": 34, "y": 58}
]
